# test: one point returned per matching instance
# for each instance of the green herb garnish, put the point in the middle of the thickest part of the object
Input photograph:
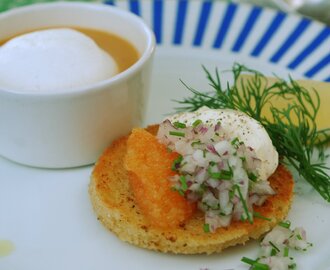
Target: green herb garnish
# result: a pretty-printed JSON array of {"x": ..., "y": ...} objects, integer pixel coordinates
[
  {"x": 177, "y": 133},
  {"x": 198, "y": 142},
  {"x": 273, "y": 252},
  {"x": 183, "y": 181},
  {"x": 176, "y": 163},
  {"x": 222, "y": 175},
  {"x": 179, "y": 125},
  {"x": 285, "y": 224},
  {"x": 236, "y": 142},
  {"x": 255, "y": 265},
  {"x": 292, "y": 129},
  {"x": 196, "y": 123},
  {"x": 252, "y": 177},
  {"x": 206, "y": 228},
  {"x": 292, "y": 266},
  {"x": 179, "y": 190},
  {"x": 246, "y": 210},
  {"x": 274, "y": 246},
  {"x": 258, "y": 215}
]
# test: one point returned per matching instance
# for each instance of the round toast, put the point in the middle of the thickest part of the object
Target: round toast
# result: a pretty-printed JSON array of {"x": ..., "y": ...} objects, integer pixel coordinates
[{"x": 114, "y": 205}]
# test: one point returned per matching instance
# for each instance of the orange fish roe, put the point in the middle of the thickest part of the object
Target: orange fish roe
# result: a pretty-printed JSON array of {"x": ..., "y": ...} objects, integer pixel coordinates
[{"x": 149, "y": 163}]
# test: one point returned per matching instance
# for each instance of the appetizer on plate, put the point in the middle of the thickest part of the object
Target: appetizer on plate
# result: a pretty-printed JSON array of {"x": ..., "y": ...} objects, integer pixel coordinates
[
  {"x": 205, "y": 180},
  {"x": 138, "y": 196}
]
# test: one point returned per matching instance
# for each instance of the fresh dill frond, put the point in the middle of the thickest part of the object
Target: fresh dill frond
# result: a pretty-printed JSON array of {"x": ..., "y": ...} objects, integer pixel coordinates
[{"x": 292, "y": 128}]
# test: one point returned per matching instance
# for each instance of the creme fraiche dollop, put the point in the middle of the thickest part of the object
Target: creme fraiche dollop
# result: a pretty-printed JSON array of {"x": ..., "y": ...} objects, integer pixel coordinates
[
  {"x": 53, "y": 60},
  {"x": 231, "y": 124}
]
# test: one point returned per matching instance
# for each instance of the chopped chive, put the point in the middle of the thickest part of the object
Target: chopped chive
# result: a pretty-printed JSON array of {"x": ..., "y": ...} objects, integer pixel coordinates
[
  {"x": 226, "y": 175},
  {"x": 299, "y": 237},
  {"x": 231, "y": 194},
  {"x": 231, "y": 171},
  {"x": 249, "y": 217},
  {"x": 179, "y": 125},
  {"x": 258, "y": 215},
  {"x": 212, "y": 163},
  {"x": 177, "y": 133},
  {"x": 273, "y": 252},
  {"x": 285, "y": 224},
  {"x": 196, "y": 123},
  {"x": 201, "y": 189},
  {"x": 183, "y": 182},
  {"x": 222, "y": 175},
  {"x": 286, "y": 252},
  {"x": 183, "y": 188},
  {"x": 206, "y": 228},
  {"x": 181, "y": 192},
  {"x": 252, "y": 177},
  {"x": 260, "y": 266},
  {"x": 274, "y": 246},
  {"x": 234, "y": 141},
  {"x": 196, "y": 143},
  {"x": 248, "y": 260},
  {"x": 292, "y": 266},
  {"x": 243, "y": 217},
  {"x": 177, "y": 190},
  {"x": 254, "y": 264},
  {"x": 176, "y": 163}
]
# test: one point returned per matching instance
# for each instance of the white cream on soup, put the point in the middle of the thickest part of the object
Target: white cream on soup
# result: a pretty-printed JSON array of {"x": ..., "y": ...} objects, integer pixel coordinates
[{"x": 53, "y": 60}]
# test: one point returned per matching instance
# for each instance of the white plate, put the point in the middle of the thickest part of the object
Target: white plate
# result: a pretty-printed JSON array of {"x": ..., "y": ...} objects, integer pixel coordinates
[{"x": 47, "y": 215}]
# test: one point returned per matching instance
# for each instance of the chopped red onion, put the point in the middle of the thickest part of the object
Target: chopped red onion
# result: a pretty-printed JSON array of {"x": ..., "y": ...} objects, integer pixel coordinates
[{"x": 213, "y": 166}]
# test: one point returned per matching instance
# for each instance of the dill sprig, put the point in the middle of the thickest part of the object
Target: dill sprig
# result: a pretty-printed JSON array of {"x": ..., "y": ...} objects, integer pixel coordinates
[{"x": 292, "y": 129}]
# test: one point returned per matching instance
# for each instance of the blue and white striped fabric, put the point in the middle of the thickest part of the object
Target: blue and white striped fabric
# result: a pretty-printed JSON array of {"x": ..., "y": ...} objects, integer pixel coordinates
[{"x": 291, "y": 41}]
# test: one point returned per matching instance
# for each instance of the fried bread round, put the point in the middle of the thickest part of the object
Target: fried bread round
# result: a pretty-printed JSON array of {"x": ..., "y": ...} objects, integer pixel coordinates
[{"x": 114, "y": 204}]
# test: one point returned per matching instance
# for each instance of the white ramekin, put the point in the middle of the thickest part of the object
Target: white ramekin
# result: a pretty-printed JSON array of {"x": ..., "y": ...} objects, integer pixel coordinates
[{"x": 71, "y": 128}]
